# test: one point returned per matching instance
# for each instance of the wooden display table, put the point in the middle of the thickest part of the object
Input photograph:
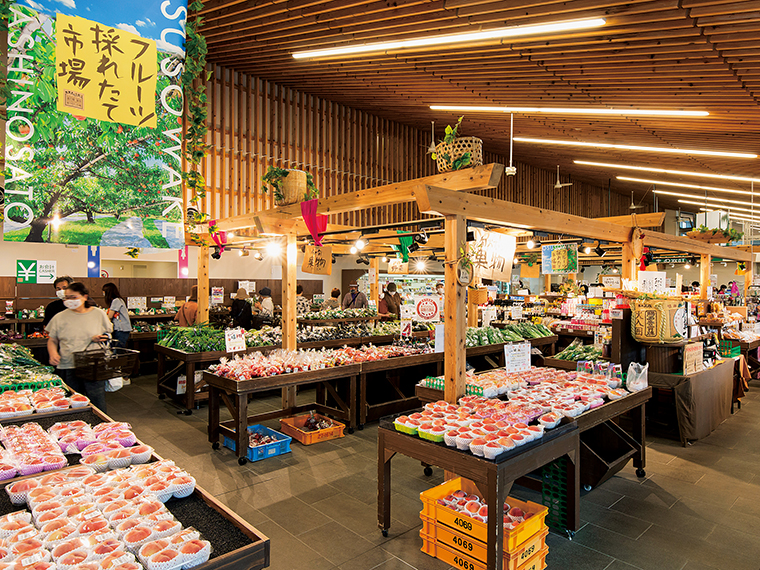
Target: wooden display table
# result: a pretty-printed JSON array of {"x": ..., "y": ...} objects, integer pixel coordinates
[
  {"x": 398, "y": 400},
  {"x": 238, "y": 545},
  {"x": 235, "y": 395},
  {"x": 607, "y": 451},
  {"x": 494, "y": 479}
]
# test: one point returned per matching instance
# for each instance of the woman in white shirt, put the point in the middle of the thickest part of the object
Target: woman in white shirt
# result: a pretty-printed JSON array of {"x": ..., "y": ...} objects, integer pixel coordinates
[
  {"x": 75, "y": 330},
  {"x": 266, "y": 305},
  {"x": 118, "y": 313}
]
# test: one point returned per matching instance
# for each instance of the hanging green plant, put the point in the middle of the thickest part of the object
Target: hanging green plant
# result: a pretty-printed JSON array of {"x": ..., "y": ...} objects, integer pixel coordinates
[
  {"x": 5, "y": 89},
  {"x": 194, "y": 78},
  {"x": 273, "y": 180},
  {"x": 531, "y": 259}
]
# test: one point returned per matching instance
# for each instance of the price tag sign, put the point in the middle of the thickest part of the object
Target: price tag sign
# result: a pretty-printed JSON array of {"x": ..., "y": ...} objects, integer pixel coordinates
[
  {"x": 407, "y": 312},
  {"x": 516, "y": 312},
  {"x": 439, "y": 337},
  {"x": 517, "y": 357},
  {"x": 616, "y": 313},
  {"x": 217, "y": 295},
  {"x": 139, "y": 303},
  {"x": 406, "y": 328},
  {"x": 692, "y": 358},
  {"x": 489, "y": 314},
  {"x": 234, "y": 340}
]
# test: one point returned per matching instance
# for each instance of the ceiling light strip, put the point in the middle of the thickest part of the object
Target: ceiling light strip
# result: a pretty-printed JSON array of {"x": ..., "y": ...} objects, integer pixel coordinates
[
  {"x": 719, "y": 206},
  {"x": 682, "y": 185},
  {"x": 639, "y": 148},
  {"x": 665, "y": 171},
  {"x": 571, "y": 111},
  {"x": 696, "y": 197},
  {"x": 497, "y": 33}
]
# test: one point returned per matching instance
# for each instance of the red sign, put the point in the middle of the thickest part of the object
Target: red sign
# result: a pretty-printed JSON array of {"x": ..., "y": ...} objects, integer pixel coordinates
[{"x": 426, "y": 309}]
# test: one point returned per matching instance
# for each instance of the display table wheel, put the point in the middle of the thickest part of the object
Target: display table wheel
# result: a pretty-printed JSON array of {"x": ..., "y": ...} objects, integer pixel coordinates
[
  {"x": 570, "y": 534},
  {"x": 215, "y": 446},
  {"x": 242, "y": 460},
  {"x": 162, "y": 396},
  {"x": 385, "y": 532},
  {"x": 640, "y": 473}
]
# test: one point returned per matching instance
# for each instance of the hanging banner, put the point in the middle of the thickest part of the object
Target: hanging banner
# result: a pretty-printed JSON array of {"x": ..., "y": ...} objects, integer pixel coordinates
[
  {"x": 183, "y": 268},
  {"x": 93, "y": 261},
  {"x": 530, "y": 271},
  {"x": 397, "y": 266},
  {"x": 317, "y": 260},
  {"x": 94, "y": 129},
  {"x": 492, "y": 254},
  {"x": 559, "y": 258}
]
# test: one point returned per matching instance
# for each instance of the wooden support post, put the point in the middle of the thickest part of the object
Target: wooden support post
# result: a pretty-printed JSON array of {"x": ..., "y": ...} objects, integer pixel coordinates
[
  {"x": 374, "y": 279},
  {"x": 704, "y": 274},
  {"x": 630, "y": 267},
  {"x": 203, "y": 286},
  {"x": 454, "y": 323},
  {"x": 547, "y": 283},
  {"x": 289, "y": 332},
  {"x": 748, "y": 276}
]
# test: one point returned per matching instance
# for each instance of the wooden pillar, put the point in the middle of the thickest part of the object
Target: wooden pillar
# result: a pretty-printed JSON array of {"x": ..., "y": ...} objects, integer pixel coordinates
[
  {"x": 704, "y": 275},
  {"x": 748, "y": 276},
  {"x": 548, "y": 283},
  {"x": 289, "y": 332},
  {"x": 203, "y": 286},
  {"x": 454, "y": 323},
  {"x": 630, "y": 266},
  {"x": 374, "y": 279}
]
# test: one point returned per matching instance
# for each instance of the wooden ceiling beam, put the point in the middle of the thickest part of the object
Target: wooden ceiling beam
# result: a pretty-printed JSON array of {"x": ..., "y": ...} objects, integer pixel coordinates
[{"x": 653, "y": 220}]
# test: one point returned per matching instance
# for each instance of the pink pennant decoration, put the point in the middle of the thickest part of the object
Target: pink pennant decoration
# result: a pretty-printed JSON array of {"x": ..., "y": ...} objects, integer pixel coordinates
[
  {"x": 315, "y": 224},
  {"x": 220, "y": 238}
]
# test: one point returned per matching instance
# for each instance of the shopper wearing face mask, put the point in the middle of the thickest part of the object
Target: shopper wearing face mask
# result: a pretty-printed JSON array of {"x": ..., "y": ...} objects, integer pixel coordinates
[
  {"x": 57, "y": 306},
  {"x": 75, "y": 330}
]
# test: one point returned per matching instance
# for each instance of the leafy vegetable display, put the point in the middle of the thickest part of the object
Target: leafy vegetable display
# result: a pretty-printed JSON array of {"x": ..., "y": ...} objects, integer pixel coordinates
[
  {"x": 18, "y": 368},
  {"x": 339, "y": 314},
  {"x": 482, "y": 336},
  {"x": 578, "y": 351}
]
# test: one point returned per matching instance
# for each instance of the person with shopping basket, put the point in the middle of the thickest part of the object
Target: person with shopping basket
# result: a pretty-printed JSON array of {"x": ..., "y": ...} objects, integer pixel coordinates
[{"x": 81, "y": 326}]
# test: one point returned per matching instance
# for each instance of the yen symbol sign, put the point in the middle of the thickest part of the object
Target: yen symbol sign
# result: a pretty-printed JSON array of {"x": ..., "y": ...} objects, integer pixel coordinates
[{"x": 26, "y": 271}]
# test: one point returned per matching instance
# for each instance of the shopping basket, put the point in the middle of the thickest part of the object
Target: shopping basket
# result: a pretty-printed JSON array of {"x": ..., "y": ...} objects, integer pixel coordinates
[{"x": 104, "y": 363}]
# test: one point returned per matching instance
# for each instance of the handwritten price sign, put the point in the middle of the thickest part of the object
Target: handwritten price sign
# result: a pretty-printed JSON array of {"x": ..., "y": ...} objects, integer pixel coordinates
[{"x": 234, "y": 340}]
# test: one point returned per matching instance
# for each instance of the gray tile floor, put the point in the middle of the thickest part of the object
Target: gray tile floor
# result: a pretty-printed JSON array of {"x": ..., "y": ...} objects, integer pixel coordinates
[{"x": 697, "y": 509}]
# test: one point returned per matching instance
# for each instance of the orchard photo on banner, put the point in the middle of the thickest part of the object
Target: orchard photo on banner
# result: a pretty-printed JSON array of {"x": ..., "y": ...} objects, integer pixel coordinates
[{"x": 94, "y": 129}]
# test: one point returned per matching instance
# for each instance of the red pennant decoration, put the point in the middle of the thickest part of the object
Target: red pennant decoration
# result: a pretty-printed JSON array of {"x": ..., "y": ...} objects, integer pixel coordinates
[
  {"x": 219, "y": 237},
  {"x": 315, "y": 224}
]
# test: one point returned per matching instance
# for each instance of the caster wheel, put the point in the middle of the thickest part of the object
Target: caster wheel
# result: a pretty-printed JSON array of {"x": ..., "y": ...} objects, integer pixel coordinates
[
  {"x": 640, "y": 472},
  {"x": 242, "y": 460},
  {"x": 361, "y": 427},
  {"x": 587, "y": 488},
  {"x": 350, "y": 430},
  {"x": 385, "y": 532},
  {"x": 215, "y": 445},
  {"x": 188, "y": 412},
  {"x": 570, "y": 534},
  {"x": 428, "y": 471},
  {"x": 162, "y": 396}
]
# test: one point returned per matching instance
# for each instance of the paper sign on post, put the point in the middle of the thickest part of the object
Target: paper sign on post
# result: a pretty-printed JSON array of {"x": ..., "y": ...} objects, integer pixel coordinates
[
  {"x": 317, "y": 260},
  {"x": 517, "y": 357},
  {"x": 217, "y": 295},
  {"x": 139, "y": 303},
  {"x": 234, "y": 340},
  {"x": 439, "y": 337},
  {"x": 488, "y": 315},
  {"x": 169, "y": 302}
]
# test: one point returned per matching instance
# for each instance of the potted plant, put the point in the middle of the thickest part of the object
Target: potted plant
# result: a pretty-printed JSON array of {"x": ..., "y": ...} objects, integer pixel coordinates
[
  {"x": 289, "y": 186},
  {"x": 455, "y": 152},
  {"x": 715, "y": 235}
]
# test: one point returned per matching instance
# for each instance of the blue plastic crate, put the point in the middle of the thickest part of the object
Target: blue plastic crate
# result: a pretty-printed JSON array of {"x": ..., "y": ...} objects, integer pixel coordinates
[{"x": 279, "y": 447}]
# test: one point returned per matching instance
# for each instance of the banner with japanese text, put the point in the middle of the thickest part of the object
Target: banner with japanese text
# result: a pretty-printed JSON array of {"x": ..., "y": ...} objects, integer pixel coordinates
[
  {"x": 559, "y": 259},
  {"x": 492, "y": 254},
  {"x": 94, "y": 129}
]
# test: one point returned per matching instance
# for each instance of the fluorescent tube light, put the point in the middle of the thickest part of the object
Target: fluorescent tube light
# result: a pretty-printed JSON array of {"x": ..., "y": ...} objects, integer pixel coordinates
[
  {"x": 497, "y": 33},
  {"x": 695, "y": 197},
  {"x": 641, "y": 148},
  {"x": 718, "y": 205},
  {"x": 740, "y": 217},
  {"x": 570, "y": 111},
  {"x": 664, "y": 171},
  {"x": 681, "y": 185}
]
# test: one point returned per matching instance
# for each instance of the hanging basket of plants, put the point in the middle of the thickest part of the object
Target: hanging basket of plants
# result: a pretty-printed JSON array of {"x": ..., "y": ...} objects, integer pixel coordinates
[
  {"x": 289, "y": 186},
  {"x": 455, "y": 153},
  {"x": 714, "y": 236}
]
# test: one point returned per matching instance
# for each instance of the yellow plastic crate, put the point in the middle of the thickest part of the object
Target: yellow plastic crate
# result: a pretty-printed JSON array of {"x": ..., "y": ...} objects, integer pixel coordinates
[
  {"x": 476, "y": 549},
  {"x": 476, "y": 530},
  {"x": 458, "y": 560}
]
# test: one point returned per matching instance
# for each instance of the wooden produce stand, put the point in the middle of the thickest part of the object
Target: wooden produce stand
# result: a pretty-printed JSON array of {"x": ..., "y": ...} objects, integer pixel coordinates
[
  {"x": 234, "y": 394},
  {"x": 493, "y": 478},
  {"x": 235, "y": 543},
  {"x": 607, "y": 450},
  {"x": 391, "y": 371}
]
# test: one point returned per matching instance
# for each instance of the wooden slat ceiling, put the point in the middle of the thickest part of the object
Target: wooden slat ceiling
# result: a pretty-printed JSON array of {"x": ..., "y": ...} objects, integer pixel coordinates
[{"x": 662, "y": 54}]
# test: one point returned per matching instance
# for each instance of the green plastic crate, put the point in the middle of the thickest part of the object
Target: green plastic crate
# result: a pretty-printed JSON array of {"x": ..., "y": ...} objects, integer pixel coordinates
[
  {"x": 554, "y": 493},
  {"x": 728, "y": 351}
]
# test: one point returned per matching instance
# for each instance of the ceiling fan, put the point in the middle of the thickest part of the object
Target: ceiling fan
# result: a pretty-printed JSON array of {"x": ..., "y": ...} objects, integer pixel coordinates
[
  {"x": 633, "y": 205},
  {"x": 559, "y": 184}
]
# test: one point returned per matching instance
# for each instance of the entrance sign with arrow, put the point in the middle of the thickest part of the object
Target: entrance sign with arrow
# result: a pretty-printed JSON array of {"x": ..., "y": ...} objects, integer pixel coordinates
[{"x": 35, "y": 271}]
